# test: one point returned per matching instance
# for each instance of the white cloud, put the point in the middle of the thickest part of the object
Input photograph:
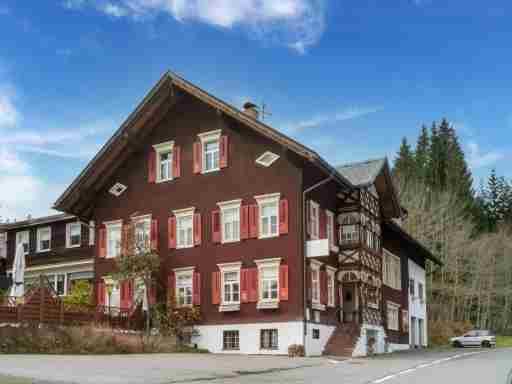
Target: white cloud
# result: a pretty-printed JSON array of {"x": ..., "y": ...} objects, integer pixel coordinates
[
  {"x": 477, "y": 159},
  {"x": 9, "y": 115},
  {"x": 346, "y": 114},
  {"x": 21, "y": 192},
  {"x": 298, "y": 24}
]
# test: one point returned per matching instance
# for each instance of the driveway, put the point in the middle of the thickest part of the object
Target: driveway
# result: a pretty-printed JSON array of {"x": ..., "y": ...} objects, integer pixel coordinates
[{"x": 445, "y": 366}]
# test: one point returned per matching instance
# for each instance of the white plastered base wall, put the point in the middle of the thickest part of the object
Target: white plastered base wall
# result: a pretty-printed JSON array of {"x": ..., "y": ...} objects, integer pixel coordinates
[
  {"x": 210, "y": 337},
  {"x": 392, "y": 347}
]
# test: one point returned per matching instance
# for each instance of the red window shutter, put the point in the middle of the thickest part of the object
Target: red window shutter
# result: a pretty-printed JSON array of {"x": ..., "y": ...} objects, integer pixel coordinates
[
  {"x": 198, "y": 157},
  {"x": 323, "y": 224},
  {"x": 308, "y": 218},
  {"x": 152, "y": 166},
  {"x": 244, "y": 285},
  {"x": 102, "y": 243},
  {"x": 323, "y": 287},
  {"x": 253, "y": 221},
  {"x": 309, "y": 283},
  {"x": 197, "y": 228},
  {"x": 124, "y": 294},
  {"x": 171, "y": 232},
  {"x": 283, "y": 217},
  {"x": 154, "y": 234},
  {"x": 244, "y": 222},
  {"x": 224, "y": 151},
  {"x": 216, "y": 234},
  {"x": 215, "y": 288},
  {"x": 124, "y": 240},
  {"x": 100, "y": 293},
  {"x": 196, "y": 288},
  {"x": 176, "y": 162},
  {"x": 253, "y": 287},
  {"x": 283, "y": 282},
  {"x": 171, "y": 287}
]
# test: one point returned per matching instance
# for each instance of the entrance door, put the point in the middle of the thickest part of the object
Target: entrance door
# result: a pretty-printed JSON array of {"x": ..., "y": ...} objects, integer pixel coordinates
[
  {"x": 413, "y": 332},
  {"x": 421, "y": 342},
  {"x": 349, "y": 306}
]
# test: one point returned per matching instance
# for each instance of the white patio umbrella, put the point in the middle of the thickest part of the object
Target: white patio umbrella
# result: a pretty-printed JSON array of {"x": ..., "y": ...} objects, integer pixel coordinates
[{"x": 18, "y": 273}]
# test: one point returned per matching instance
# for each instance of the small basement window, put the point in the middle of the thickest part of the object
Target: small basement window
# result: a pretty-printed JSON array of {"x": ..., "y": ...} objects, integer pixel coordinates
[
  {"x": 231, "y": 340},
  {"x": 267, "y": 159},
  {"x": 118, "y": 189},
  {"x": 269, "y": 339},
  {"x": 316, "y": 333}
]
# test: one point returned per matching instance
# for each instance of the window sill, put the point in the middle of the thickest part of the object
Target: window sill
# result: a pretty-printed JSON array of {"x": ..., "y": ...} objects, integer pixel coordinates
[
  {"x": 267, "y": 236},
  {"x": 185, "y": 247},
  {"x": 267, "y": 305},
  {"x": 204, "y": 172},
  {"x": 43, "y": 250},
  {"x": 230, "y": 241},
  {"x": 229, "y": 307},
  {"x": 164, "y": 180},
  {"x": 74, "y": 246},
  {"x": 318, "y": 306},
  {"x": 374, "y": 306},
  {"x": 231, "y": 349}
]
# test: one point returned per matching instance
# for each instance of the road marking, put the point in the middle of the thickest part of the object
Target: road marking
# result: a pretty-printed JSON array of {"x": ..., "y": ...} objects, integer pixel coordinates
[{"x": 421, "y": 366}]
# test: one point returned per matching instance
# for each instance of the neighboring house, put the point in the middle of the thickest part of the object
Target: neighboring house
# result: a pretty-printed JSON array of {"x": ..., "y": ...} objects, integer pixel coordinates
[
  {"x": 275, "y": 246},
  {"x": 57, "y": 246}
]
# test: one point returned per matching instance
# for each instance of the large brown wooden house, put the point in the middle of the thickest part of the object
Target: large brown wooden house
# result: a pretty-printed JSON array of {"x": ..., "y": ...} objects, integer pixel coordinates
[{"x": 276, "y": 246}]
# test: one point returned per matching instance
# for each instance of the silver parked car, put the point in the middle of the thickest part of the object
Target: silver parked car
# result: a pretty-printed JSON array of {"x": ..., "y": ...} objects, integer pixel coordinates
[{"x": 476, "y": 338}]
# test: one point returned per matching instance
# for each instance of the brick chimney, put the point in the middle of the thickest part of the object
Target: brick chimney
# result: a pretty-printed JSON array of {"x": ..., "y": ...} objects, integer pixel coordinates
[{"x": 251, "y": 109}]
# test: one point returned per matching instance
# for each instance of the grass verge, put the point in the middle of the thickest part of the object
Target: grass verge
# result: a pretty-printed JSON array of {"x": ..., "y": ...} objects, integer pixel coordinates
[{"x": 504, "y": 341}]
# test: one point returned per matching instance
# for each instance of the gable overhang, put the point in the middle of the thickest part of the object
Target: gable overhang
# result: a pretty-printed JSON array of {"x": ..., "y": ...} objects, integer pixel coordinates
[{"x": 78, "y": 197}]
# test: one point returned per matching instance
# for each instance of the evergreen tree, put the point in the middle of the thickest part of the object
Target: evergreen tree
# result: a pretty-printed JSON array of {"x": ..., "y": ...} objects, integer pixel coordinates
[
  {"x": 422, "y": 154},
  {"x": 404, "y": 164}
]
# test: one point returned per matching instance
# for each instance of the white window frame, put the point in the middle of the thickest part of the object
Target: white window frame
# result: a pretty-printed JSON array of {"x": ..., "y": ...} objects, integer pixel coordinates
[
  {"x": 228, "y": 205},
  {"x": 331, "y": 230},
  {"x": 92, "y": 232},
  {"x": 68, "y": 235},
  {"x": 22, "y": 233},
  {"x": 261, "y": 159},
  {"x": 331, "y": 286},
  {"x": 315, "y": 223},
  {"x": 392, "y": 270},
  {"x": 111, "y": 225},
  {"x": 38, "y": 237},
  {"x": 183, "y": 214},
  {"x": 55, "y": 279},
  {"x": 162, "y": 148},
  {"x": 393, "y": 309},
  {"x": 273, "y": 336},
  {"x": 315, "y": 266},
  {"x": 206, "y": 138},
  {"x": 145, "y": 220},
  {"x": 261, "y": 200},
  {"x": 224, "y": 268},
  {"x": 237, "y": 348},
  {"x": 268, "y": 264},
  {"x": 186, "y": 272},
  {"x": 3, "y": 245}
]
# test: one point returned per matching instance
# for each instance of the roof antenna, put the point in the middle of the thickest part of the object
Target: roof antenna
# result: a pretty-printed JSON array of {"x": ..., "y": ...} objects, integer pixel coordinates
[{"x": 264, "y": 112}]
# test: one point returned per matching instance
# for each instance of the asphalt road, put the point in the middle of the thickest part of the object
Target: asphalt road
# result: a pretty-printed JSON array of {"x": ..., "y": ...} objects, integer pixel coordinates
[{"x": 418, "y": 367}]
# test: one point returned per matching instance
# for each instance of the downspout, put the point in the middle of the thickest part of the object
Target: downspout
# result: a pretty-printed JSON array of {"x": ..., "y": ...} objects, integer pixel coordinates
[{"x": 304, "y": 239}]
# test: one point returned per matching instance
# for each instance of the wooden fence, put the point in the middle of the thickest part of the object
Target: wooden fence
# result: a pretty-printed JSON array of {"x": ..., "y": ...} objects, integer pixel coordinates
[{"x": 41, "y": 305}]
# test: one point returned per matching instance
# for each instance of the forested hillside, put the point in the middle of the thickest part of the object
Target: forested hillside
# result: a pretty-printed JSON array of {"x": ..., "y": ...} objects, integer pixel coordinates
[{"x": 469, "y": 230}]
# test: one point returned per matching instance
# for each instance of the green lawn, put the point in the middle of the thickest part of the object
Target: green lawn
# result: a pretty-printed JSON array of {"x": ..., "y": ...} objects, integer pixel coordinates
[
  {"x": 14, "y": 380},
  {"x": 504, "y": 341}
]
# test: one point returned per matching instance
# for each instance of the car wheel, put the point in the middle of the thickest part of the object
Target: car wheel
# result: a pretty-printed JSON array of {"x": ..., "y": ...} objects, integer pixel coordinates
[
  {"x": 486, "y": 344},
  {"x": 456, "y": 344}
]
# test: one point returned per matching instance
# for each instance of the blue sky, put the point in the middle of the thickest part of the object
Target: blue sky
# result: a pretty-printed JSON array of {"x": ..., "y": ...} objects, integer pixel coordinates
[{"x": 349, "y": 78}]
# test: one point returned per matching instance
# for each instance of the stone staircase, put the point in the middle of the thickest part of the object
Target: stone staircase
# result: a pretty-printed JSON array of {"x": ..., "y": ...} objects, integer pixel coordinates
[{"x": 343, "y": 340}]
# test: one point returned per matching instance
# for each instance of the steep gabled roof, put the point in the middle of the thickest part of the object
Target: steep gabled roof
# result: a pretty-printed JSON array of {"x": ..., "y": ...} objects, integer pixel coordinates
[
  {"x": 362, "y": 173},
  {"x": 365, "y": 173},
  {"x": 161, "y": 98}
]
